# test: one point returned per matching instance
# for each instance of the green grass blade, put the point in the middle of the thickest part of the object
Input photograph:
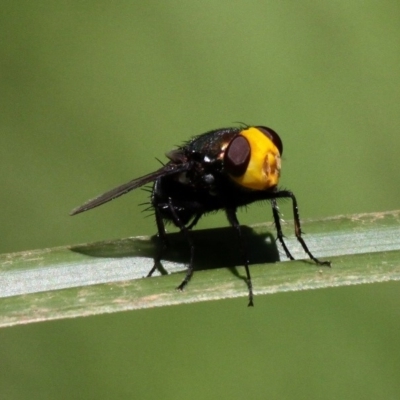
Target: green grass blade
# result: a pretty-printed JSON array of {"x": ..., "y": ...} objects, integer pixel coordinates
[{"x": 107, "y": 277}]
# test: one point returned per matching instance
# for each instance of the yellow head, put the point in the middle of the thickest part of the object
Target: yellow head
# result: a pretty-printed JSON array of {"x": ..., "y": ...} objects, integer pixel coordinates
[{"x": 253, "y": 158}]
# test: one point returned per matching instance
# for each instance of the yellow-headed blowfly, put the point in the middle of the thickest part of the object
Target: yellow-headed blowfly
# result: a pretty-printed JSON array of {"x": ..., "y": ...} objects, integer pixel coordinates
[{"x": 219, "y": 170}]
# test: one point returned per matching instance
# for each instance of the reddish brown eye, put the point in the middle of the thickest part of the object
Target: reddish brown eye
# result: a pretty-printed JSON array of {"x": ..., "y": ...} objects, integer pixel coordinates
[
  {"x": 276, "y": 140},
  {"x": 237, "y": 156}
]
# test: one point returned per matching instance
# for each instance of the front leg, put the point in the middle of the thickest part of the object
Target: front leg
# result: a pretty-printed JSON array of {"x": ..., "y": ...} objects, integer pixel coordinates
[
  {"x": 297, "y": 226},
  {"x": 277, "y": 220}
]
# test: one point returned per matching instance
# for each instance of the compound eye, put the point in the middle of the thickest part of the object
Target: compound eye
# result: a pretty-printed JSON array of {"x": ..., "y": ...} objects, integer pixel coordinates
[
  {"x": 237, "y": 156},
  {"x": 270, "y": 133}
]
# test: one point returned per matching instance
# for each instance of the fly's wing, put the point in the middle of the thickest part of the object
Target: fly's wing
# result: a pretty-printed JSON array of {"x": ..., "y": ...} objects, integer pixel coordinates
[{"x": 166, "y": 170}]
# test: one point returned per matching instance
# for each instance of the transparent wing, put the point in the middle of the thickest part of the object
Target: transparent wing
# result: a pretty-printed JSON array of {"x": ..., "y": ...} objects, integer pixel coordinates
[{"x": 166, "y": 170}]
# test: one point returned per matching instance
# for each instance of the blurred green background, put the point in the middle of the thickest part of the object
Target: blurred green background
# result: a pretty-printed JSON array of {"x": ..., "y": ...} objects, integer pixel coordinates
[{"x": 92, "y": 92}]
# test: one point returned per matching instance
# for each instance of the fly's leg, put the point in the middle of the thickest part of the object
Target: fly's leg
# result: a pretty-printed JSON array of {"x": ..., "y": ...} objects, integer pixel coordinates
[
  {"x": 162, "y": 238},
  {"x": 186, "y": 233},
  {"x": 195, "y": 221},
  {"x": 277, "y": 220},
  {"x": 297, "y": 226},
  {"x": 232, "y": 218}
]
